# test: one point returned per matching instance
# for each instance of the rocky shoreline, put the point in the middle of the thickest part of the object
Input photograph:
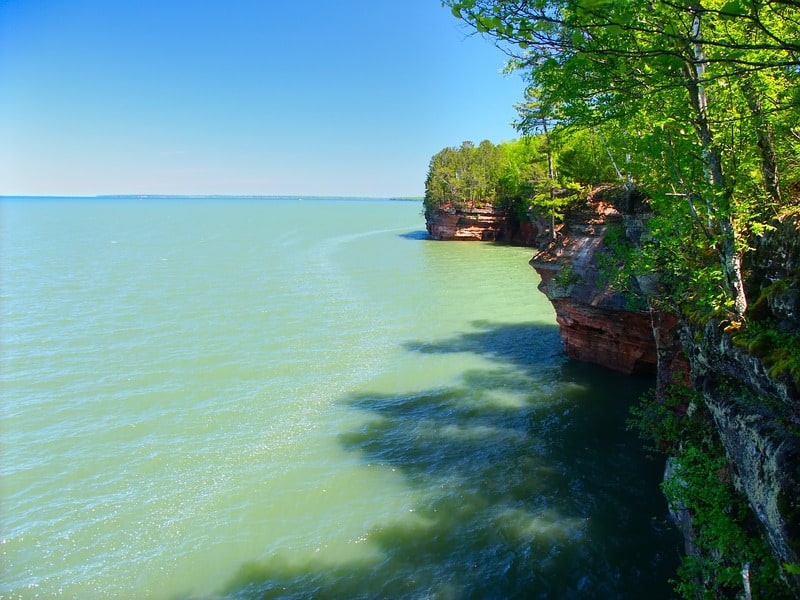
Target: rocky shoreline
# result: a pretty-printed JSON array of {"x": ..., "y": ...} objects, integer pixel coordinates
[
  {"x": 481, "y": 224},
  {"x": 597, "y": 325}
]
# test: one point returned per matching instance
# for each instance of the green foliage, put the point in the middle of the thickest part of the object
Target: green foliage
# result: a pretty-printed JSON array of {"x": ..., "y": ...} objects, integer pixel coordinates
[
  {"x": 778, "y": 347},
  {"x": 697, "y": 102},
  {"x": 689, "y": 275},
  {"x": 511, "y": 175},
  {"x": 566, "y": 276},
  {"x": 619, "y": 264},
  {"x": 702, "y": 483},
  {"x": 725, "y": 534},
  {"x": 661, "y": 424},
  {"x": 467, "y": 175},
  {"x": 522, "y": 175},
  {"x": 778, "y": 350},
  {"x": 463, "y": 176},
  {"x": 582, "y": 159},
  {"x": 726, "y": 544}
]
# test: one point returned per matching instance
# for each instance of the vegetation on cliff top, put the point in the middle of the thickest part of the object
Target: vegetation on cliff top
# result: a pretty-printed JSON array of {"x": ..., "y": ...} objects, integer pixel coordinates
[
  {"x": 696, "y": 101},
  {"x": 533, "y": 176}
]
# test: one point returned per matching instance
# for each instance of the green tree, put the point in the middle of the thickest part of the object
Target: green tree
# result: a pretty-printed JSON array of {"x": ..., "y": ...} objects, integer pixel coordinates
[
  {"x": 507, "y": 175},
  {"x": 463, "y": 176},
  {"x": 693, "y": 99},
  {"x": 582, "y": 159},
  {"x": 522, "y": 175}
]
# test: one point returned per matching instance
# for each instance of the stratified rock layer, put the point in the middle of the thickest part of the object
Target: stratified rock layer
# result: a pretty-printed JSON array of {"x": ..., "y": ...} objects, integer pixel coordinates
[
  {"x": 596, "y": 325},
  {"x": 756, "y": 411},
  {"x": 485, "y": 224},
  {"x": 758, "y": 421}
]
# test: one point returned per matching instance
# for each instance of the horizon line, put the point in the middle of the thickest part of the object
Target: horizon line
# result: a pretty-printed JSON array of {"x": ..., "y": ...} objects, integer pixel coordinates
[{"x": 222, "y": 196}]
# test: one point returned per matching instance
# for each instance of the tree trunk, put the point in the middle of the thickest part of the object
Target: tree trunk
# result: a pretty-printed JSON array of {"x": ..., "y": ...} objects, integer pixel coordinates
[
  {"x": 551, "y": 175},
  {"x": 731, "y": 260},
  {"x": 719, "y": 208},
  {"x": 769, "y": 163}
]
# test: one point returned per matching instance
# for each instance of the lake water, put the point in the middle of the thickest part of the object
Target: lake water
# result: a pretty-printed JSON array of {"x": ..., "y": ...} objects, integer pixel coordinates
[{"x": 295, "y": 399}]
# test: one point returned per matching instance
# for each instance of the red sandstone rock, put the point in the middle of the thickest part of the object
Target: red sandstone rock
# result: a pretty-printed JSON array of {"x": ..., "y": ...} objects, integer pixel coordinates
[
  {"x": 596, "y": 323},
  {"x": 596, "y": 326},
  {"x": 618, "y": 340},
  {"x": 479, "y": 224}
]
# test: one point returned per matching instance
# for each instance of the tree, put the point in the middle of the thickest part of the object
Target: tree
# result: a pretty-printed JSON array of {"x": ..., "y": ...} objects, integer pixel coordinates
[
  {"x": 693, "y": 93},
  {"x": 507, "y": 175}
]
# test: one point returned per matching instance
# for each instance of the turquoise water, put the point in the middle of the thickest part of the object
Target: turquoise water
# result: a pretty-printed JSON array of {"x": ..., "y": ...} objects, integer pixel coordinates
[{"x": 285, "y": 398}]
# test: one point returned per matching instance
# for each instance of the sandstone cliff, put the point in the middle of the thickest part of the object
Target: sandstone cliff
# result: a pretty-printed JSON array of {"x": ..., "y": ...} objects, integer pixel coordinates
[
  {"x": 755, "y": 408},
  {"x": 487, "y": 224},
  {"x": 596, "y": 325},
  {"x": 754, "y": 405}
]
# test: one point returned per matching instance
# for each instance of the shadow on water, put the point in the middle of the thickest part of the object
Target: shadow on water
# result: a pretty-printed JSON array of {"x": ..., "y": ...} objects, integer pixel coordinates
[
  {"x": 530, "y": 486},
  {"x": 421, "y": 234}
]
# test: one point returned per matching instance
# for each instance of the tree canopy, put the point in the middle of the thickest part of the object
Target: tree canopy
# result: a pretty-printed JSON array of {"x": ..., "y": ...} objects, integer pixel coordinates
[
  {"x": 519, "y": 176},
  {"x": 696, "y": 101}
]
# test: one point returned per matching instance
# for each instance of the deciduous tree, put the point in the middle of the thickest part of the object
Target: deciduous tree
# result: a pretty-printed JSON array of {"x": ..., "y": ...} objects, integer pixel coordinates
[{"x": 699, "y": 96}]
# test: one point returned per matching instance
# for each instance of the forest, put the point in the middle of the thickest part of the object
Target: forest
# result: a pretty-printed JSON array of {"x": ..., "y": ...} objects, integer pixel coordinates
[{"x": 534, "y": 173}]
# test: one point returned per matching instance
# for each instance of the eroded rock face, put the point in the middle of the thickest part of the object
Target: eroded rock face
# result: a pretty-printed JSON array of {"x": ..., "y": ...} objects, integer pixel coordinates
[
  {"x": 480, "y": 224},
  {"x": 616, "y": 339},
  {"x": 596, "y": 324},
  {"x": 758, "y": 420},
  {"x": 673, "y": 367},
  {"x": 756, "y": 412},
  {"x": 776, "y": 267}
]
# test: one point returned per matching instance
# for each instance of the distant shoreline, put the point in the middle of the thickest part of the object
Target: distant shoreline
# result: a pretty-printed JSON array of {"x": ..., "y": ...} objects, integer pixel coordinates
[{"x": 213, "y": 197}]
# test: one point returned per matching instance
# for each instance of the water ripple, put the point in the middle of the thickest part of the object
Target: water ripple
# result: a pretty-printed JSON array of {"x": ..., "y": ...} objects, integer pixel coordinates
[{"x": 281, "y": 399}]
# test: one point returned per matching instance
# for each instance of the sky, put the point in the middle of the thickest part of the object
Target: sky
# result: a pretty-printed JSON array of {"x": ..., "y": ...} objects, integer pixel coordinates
[{"x": 240, "y": 97}]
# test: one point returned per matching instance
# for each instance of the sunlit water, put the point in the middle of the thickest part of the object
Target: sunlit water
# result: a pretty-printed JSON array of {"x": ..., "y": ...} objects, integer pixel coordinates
[{"x": 286, "y": 398}]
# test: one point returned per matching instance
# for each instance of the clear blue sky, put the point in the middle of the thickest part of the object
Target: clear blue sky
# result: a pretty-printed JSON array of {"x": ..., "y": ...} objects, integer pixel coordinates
[{"x": 314, "y": 97}]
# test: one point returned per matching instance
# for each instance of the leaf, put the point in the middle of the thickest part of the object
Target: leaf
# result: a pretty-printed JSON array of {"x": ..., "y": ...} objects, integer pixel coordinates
[
  {"x": 792, "y": 568},
  {"x": 734, "y": 8}
]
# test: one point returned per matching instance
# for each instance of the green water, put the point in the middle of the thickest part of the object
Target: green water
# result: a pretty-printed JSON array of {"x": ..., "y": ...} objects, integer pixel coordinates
[{"x": 284, "y": 398}]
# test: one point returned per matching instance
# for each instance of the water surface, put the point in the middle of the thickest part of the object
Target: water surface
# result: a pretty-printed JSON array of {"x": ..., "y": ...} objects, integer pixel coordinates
[{"x": 284, "y": 398}]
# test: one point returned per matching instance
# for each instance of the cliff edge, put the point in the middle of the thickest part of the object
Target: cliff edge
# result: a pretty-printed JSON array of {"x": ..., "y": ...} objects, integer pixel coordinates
[
  {"x": 480, "y": 223},
  {"x": 741, "y": 381},
  {"x": 597, "y": 324},
  {"x": 753, "y": 400}
]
